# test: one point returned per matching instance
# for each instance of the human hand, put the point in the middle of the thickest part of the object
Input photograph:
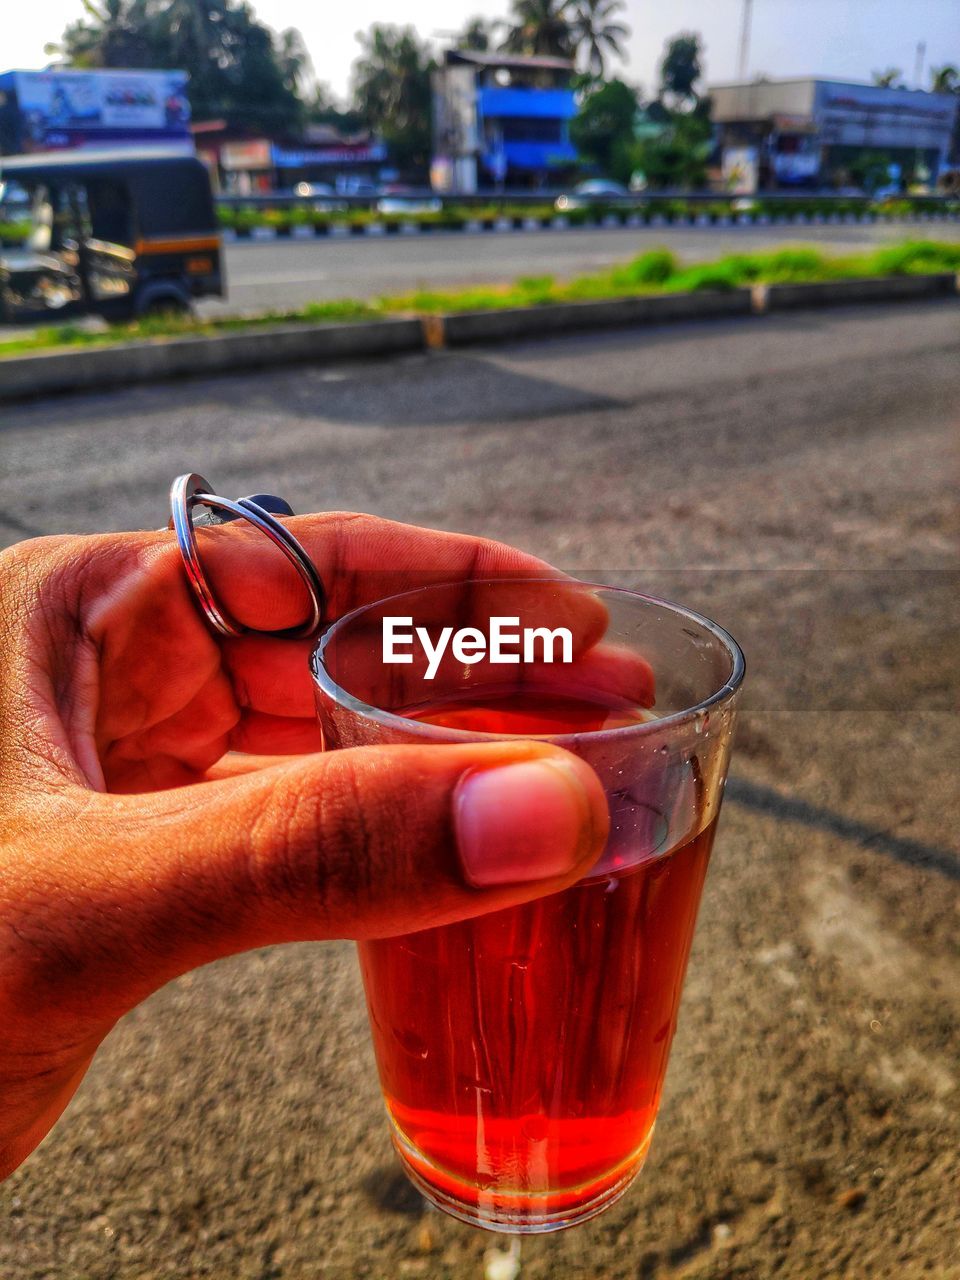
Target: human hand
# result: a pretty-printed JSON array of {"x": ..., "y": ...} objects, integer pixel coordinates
[{"x": 134, "y": 843}]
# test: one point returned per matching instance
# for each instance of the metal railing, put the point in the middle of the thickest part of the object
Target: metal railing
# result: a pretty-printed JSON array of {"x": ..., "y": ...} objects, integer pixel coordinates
[{"x": 548, "y": 196}]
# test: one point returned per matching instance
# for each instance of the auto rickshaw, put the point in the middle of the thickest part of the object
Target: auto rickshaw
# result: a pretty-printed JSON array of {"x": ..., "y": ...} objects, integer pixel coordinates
[{"x": 111, "y": 233}]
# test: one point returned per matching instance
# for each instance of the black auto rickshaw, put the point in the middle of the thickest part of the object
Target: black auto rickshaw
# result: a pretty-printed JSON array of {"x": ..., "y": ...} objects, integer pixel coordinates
[{"x": 110, "y": 232}]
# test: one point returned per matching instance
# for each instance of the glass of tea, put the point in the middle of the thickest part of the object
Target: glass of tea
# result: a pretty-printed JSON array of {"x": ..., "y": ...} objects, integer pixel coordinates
[{"x": 522, "y": 1053}]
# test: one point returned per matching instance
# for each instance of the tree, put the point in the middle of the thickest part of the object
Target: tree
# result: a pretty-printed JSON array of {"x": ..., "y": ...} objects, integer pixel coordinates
[
  {"x": 112, "y": 35},
  {"x": 594, "y": 33},
  {"x": 945, "y": 79},
  {"x": 681, "y": 69},
  {"x": 678, "y": 157},
  {"x": 478, "y": 34},
  {"x": 539, "y": 27},
  {"x": 293, "y": 60},
  {"x": 870, "y": 170},
  {"x": 238, "y": 69},
  {"x": 602, "y": 130},
  {"x": 391, "y": 90},
  {"x": 892, "y": 78},
  {"x": 326, "y": 109}
]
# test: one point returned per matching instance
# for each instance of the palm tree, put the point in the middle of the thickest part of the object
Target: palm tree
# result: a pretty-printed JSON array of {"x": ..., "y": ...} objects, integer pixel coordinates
[
  {"x": 112, "y": 35},
  {"x": 945, "y": 79},
  {"x": 391, "y": 91},
  {"x": 594, "y": 34},
  {"x": 892, "y": 78},
  {"x": 294, "y": 60},
  {"x": 477, "y": 34},
  {"x": 539, "y": 27}
]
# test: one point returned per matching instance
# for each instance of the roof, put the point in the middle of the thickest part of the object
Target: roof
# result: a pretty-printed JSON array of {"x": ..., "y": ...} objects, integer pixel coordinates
[
  {"x": 838, "y": 81},
  {"x": 518, "y": 61},
  {"x": 95, "y": 155},
  {"x": 97, "y": 163}
]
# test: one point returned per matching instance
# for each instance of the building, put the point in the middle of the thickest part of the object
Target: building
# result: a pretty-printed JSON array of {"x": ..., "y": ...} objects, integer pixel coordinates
[
  {"x": 816, "y": 133},
  {"x": 60, "y": 109},
  {"x": 242, "y": 163},
  {"x": 501, "y": 120}
]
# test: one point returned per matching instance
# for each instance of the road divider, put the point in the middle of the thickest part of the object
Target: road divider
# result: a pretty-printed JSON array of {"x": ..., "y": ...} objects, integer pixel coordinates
[
  {"x": 423, "y": 322},
  {"x": 158, "y": 359},
  {"x": 255, "y": 224},
  {"x": 824, "y": 293}
]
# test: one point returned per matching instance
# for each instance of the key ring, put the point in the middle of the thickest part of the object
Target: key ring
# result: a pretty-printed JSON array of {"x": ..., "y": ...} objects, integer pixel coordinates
[{"x": 191, "y": 490}]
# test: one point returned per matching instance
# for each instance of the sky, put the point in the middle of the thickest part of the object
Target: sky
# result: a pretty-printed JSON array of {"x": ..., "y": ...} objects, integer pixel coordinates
[{"x": 846, "y": 39}]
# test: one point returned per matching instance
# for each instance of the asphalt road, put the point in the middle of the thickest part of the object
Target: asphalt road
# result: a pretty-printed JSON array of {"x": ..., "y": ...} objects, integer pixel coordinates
[
  {"x": 289, "y": 273},
  {"x": 796, "y": 479}
]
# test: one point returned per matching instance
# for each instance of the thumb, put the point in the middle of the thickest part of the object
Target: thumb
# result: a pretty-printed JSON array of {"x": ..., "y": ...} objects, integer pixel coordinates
[{"x": 357, "y": 843}]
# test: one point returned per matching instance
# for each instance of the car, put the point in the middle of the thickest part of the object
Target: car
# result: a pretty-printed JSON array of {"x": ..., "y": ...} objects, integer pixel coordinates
[
  {"x": 400, "y": 199},
  {"x": 322, "y": 197},
  {"x": 313, "y": 189},
  {"x": 357, "y": 187},
  {"x": 592, "y": 191}
]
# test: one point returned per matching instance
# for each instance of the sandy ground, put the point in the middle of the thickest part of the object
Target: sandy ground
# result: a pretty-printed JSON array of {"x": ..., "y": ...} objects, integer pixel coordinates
[{"x": 796, "y": 479}]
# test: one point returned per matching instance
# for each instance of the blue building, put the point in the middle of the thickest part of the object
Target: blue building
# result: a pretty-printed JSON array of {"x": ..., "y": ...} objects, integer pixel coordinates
[{"x": 501, "y": 120}]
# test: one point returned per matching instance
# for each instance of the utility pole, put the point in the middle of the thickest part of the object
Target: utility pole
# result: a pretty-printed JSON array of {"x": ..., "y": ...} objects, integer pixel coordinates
[
  {"x": 744, "y": 59},
  {"x": 921, "y": 59}
]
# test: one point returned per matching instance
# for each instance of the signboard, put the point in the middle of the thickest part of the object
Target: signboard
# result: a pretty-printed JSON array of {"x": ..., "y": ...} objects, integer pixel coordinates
[
  {"x": 741, "y": 170},
  {"x": 871, "y": 116},
  {"x": 238, "y": 156},
  {"x": 287, "y": 158},
  {"x": 60, "y": 108}
]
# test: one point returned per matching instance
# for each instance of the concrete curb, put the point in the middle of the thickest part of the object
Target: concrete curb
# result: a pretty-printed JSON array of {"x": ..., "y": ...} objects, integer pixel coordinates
[
  {"x": 158, "y": 359},
  {"x": 497, "y": 326},
  {"x": 787, "y": 297},
  {"x": 162, "y": 358}
]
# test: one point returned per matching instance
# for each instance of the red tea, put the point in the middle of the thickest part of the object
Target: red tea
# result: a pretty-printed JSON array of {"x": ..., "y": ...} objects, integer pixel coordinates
[{"x": 522, "y": 1053}]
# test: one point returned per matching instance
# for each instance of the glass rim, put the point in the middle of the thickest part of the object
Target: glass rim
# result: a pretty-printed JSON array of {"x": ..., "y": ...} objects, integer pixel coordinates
[{"x": 440, "y": 734}]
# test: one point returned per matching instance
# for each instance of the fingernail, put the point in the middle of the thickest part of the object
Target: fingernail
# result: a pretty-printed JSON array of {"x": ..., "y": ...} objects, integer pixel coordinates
[{"x": 521, "y": 822}]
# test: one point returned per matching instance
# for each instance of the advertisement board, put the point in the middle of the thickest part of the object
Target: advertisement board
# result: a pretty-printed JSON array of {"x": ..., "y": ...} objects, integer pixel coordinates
[
  {"x": 871, "y": 116},
  {"x": 741, "y": 170},
  {"x": 61, "y": 109}
]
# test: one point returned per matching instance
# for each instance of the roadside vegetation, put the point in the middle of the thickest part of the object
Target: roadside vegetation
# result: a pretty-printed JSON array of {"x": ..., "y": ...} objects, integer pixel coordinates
[
  {"x": 243, "y": 219},
  {"x": 656, "y": 272}
]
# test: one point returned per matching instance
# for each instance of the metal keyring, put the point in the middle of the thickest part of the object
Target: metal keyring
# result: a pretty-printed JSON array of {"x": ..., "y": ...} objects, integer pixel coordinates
[{"x": 192, "y": 490}]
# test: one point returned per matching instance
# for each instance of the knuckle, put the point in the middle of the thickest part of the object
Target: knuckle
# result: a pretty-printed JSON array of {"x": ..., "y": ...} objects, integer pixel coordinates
[{"x": 318, "y": 837}]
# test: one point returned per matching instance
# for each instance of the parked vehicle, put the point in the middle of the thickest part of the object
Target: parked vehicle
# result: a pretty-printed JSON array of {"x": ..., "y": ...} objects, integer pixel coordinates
[
  {"x": 111, "y": 233},
  {"x": 313, "y": 189},
  {"x": 356, "y": 187},
  {"x": 593, "y": 191},
  {"x": 396, "y": 198}
]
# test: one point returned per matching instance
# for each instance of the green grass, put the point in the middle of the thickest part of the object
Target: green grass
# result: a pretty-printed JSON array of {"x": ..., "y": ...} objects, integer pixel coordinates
[{"x": 654, "y": 272}]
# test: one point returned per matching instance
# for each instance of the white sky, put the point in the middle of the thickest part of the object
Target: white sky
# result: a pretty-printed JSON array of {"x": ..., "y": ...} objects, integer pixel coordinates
[{"x": 843, "y": 38}]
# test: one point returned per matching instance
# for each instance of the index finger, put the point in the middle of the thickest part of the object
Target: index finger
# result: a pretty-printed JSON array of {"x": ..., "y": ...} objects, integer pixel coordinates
[{"x": 360, "y": 559}]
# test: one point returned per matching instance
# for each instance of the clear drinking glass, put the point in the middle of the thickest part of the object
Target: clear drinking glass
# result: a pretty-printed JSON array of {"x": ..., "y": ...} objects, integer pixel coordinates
[{"x": 522, "y": 1053}]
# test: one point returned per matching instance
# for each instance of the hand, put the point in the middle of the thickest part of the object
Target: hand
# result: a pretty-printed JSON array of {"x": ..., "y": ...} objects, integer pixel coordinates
[{"x": 135, "y": 843}]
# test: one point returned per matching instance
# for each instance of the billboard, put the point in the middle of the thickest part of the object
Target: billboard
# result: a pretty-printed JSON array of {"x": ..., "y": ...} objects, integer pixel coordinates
[
  {"x": 741, "y": 170},
  {"x": 871, "y": 116},
  {"x": 60, "y": 109}
]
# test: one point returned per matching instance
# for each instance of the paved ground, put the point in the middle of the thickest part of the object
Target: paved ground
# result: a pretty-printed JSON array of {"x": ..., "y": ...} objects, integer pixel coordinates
[
  {"x": 795, "y": 478},
  {"x": 291, "y": 272}
]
